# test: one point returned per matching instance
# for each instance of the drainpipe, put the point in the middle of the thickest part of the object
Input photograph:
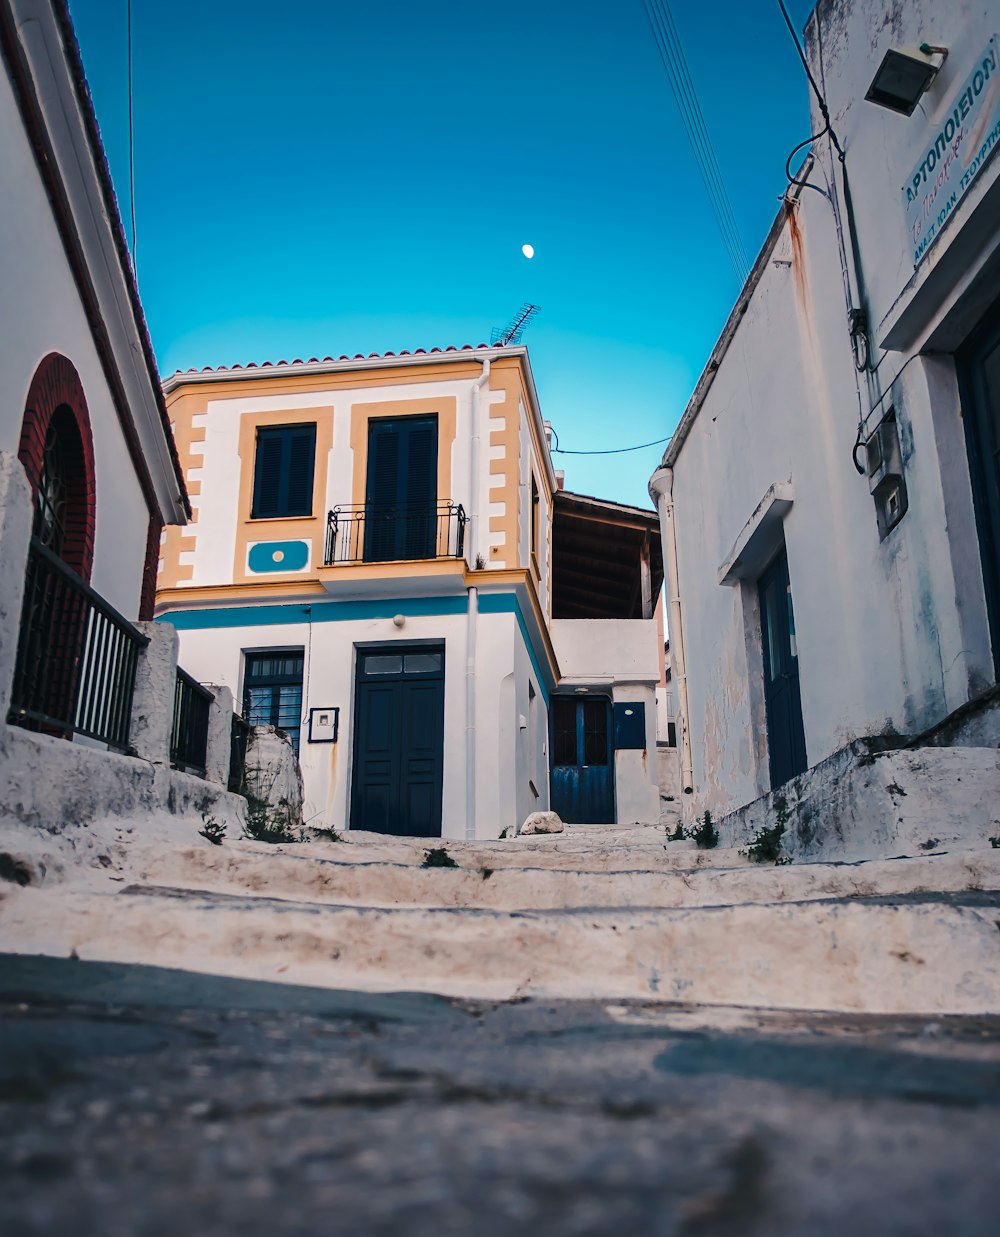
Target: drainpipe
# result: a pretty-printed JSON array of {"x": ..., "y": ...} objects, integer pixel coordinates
[
  {"x": 661, "y": 490},
  {"x": 472, "y": 613}
]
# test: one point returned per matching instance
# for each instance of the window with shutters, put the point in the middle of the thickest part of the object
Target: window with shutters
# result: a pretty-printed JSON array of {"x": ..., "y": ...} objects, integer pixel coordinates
[
  {"x": 283, "y": 471},
  {"x": 272, "y": 691},
  {"x": 401, "y": 489}
]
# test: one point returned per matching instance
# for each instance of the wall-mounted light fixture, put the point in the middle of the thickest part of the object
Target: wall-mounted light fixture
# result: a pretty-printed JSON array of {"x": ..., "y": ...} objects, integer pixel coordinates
[{"x": 903, "y": 76}]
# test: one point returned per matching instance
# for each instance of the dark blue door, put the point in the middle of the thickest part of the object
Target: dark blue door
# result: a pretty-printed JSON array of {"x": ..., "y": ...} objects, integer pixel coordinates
[
  {"x": 583, "y": 787},
  {"x": 786, "y": 741},
  {"x": 979, "y": 373},
  {"x": 401, "y": 489},
  {"x": 399, "y": 741}
]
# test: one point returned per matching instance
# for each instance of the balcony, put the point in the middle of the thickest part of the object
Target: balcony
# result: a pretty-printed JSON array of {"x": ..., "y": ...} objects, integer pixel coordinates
[{"x": 381, "y": 534}]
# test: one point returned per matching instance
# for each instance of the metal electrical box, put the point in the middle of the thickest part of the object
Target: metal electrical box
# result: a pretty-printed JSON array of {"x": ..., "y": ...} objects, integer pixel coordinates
[
  {"x": 630, "y": 725},
  {"x": 884, "y": 465}
]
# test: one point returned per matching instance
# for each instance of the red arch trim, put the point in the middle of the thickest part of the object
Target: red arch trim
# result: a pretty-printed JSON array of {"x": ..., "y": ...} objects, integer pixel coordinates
[{"x": 56, "y": 384}]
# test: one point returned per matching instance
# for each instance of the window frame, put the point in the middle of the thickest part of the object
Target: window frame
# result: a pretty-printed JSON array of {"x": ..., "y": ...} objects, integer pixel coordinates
[{"x": 285, "y": 435}]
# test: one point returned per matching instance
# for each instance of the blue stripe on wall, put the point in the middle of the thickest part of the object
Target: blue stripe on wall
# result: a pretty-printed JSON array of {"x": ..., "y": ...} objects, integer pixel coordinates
[{"x": 342, "y": 611}]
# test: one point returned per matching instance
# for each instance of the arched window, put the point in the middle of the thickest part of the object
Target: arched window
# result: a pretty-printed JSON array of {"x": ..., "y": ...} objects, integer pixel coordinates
[{"x": 57, "y": 451}]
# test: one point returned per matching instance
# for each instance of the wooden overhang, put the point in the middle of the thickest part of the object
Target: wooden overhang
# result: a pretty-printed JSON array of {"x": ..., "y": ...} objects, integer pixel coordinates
[{"x": 607, "y": 560}]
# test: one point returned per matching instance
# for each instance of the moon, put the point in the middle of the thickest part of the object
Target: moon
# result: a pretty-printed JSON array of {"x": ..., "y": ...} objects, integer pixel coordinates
[{"x": 528, "y": 251}]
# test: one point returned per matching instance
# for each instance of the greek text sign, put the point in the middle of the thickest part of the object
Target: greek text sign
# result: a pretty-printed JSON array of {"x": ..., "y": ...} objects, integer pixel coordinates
[{"x": 953, "y": 160}]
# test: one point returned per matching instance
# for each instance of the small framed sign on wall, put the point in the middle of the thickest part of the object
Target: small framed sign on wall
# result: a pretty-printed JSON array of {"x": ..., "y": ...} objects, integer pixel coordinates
[{"x": 324, "y": 725}]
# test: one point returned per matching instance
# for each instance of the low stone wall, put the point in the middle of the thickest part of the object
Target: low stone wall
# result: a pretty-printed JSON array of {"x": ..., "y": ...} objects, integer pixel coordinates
[
  {"x": 48, "y": 783},
  {"x": 872, "y": 801}
]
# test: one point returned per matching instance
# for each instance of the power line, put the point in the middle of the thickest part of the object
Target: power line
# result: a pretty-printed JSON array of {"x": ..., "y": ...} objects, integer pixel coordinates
[
  {"x": 131, "y": 135},
  {"x": 668, "y": 44},
  {"x": 617, "y": 451}
]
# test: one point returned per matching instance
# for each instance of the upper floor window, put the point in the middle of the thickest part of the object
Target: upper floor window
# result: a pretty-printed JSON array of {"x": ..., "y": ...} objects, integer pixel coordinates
[
  {"x": 401, "y": 490},
  {"x": 283, "y": 471}
]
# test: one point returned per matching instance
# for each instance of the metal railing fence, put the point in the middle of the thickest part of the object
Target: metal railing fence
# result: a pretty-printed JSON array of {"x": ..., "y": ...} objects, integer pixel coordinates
[
  {"x": 76, "y": 656},
  {"x": 239, "y": 738},
  {"x": 375, "y": 533},
  {"x": 189, "y": 734}
]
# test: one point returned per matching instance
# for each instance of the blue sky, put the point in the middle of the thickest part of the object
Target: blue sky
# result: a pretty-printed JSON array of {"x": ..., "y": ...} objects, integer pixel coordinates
[{"x": 320, "y": 178}]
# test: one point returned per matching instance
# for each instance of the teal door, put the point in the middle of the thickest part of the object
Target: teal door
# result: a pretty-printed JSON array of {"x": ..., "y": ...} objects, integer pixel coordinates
[
  {"x": 399, "y": 741},
  {"x": 979, "y": 375},
  {"x": 786, "y": 741},
  {"x": 582, "y": 781}
]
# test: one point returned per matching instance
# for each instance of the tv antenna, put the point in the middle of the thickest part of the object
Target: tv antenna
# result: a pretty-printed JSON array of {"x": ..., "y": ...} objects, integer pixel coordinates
[{"x": 501, "y": 336}]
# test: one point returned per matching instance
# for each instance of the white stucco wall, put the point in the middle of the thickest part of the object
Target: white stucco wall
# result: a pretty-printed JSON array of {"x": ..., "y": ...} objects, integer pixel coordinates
[
  {"x": 504, "y": 760},
  {"x": 621, "y": 658},
  {"x": 595, "y": 649},
  {"x": 891, "y": 635},
  {"x": 42, "y": 313}
]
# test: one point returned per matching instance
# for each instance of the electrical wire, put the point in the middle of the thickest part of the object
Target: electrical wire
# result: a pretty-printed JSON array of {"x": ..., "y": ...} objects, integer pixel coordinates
[
  {"x": 617, "y": 450},
  {"x": 671, "y": 52},
  {"x": 824, "y": 110},
  {"x": 131, "y": 134},
  {"x": 694, "y": 120}
]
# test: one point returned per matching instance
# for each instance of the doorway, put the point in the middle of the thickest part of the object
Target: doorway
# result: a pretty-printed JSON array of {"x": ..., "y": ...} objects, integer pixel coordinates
[
  {"x": 399, "y": 740},
  {"x": 979, "y": 379},
  {"x": 583, "y": 787},
  {"x": 786, "y": 741}
]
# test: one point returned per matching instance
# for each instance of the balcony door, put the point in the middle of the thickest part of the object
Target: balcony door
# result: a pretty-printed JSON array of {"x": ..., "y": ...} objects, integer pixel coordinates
[{"x": 401, "y": 489}]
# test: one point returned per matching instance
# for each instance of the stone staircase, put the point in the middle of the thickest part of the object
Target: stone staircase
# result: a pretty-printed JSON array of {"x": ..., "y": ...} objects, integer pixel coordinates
[{"x": 595, "y": 912}]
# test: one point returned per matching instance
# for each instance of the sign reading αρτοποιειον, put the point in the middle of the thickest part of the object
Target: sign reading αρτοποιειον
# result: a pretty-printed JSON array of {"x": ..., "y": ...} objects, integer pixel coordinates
[{"x": 956, "y": 156}]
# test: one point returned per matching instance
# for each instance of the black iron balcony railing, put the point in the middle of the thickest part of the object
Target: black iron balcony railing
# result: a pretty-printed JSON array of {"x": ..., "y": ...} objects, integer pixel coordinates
[
  {"x": 380, "y": 534},
  {"x": 239, "y": 738},
  {"x": 76, "y": 657},
  {"x": 189, "y": 734}
]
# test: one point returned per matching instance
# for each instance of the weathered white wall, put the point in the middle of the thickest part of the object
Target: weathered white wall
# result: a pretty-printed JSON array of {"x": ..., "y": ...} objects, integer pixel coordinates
[
  {"x": 596, "y": 649},
  {"x": 621, "y": 655},
  {"x": 882, "y": 644},
  {"x": 503, "y": 760},
  {"x": 43, "y": 314}
]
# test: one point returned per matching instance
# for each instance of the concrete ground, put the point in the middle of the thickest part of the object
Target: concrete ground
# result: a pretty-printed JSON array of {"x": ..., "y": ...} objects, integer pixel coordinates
[{"x": 145, "y": 1102}]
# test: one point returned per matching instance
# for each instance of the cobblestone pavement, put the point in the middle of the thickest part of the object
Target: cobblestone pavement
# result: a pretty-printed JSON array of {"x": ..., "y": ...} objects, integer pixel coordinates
[{"x": 147, "y": 1103}]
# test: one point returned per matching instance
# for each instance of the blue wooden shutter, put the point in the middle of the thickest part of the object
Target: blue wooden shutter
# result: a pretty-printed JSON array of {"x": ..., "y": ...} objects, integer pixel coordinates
[
  {"x": 300, "y": 449},
  {"x": 283, "y": 471}
]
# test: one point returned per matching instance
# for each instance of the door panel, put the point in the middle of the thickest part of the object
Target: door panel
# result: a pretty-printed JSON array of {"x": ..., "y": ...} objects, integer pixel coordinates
[
  {"x": 401, "y": 489},
  {"x": 399, "y": 742},
  {"x": 786, "y": 741},
  {"x": 582, "y": 781},
  {"x": 979, "y": 377}
]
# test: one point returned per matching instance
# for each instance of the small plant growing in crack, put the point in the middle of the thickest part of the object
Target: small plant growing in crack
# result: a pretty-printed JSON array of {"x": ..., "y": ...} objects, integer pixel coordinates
[
  {"x": 438, "y": 857},
  {"x": 212, "y": 830},
  {"x": 327, "y": 835},
  {"x": 704, "y": 835},
  {"x": 766, "y": 844},
  {"x": 678, "y": 834}
]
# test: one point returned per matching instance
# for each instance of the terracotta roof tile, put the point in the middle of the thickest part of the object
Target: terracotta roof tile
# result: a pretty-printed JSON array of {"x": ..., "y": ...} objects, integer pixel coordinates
[{"x": 358, "y": 356}]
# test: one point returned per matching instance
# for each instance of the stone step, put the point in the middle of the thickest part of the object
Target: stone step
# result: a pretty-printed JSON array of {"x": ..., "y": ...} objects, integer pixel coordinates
[
  {"x": 552, "y": 851},
  {"x": 296, "y": 876},
  {"x": 929, "y": 954}
]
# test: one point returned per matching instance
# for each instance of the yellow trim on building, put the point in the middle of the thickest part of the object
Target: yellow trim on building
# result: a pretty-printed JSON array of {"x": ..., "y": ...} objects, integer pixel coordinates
[
  {"x": 182, "y": 409},
  {"x": 444, "y": 406},
  {"x": 287, "y": 528}
]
